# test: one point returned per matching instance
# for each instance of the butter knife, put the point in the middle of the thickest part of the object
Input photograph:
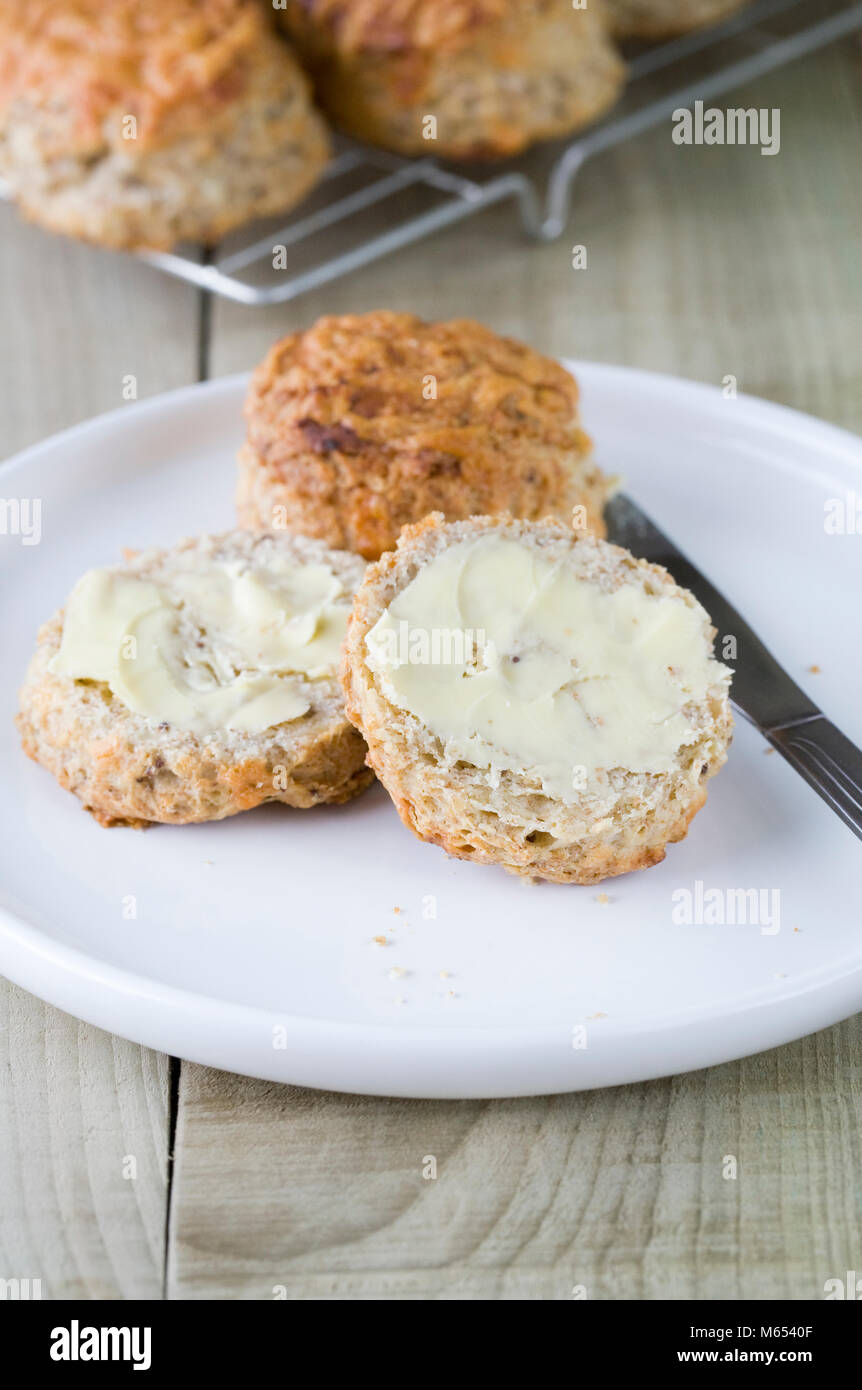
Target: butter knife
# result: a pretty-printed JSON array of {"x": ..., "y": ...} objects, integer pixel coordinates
[{"x": 762, "y": 691}]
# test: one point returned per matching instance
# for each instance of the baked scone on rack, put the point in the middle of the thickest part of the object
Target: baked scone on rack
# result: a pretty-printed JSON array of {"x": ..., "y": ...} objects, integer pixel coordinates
[
  {"x": 365, "y": 422},
  {"x": 193, "y": 683},
  {"x": 462, "y": 79},
  {"x": 535, "y": 700},
  {"x": 140, "y": 125},
  {"x": 664, "y": 19}
]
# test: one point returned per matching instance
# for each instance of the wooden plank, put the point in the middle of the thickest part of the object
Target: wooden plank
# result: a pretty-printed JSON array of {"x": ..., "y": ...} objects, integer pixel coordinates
[
  {"x": 83, "y": 1155},
  {"x": 76, "y": 322},
  {"x": 701, "y": 263},
  {"x": 78, "y": 1108},
  {"x": 612, "y": 1194}
]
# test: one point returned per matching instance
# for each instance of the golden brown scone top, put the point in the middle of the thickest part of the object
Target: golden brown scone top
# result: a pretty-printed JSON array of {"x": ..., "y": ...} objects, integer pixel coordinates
[
  {"x": 366, "y": 383},
  {"x": 172, "y": 64},
  {"x": 392, "y": 26},
  {"x": 373, "y": 420}
]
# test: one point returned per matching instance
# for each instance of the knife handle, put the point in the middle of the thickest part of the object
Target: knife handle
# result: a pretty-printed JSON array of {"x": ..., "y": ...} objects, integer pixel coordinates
[{"x": 828, "y": 761}]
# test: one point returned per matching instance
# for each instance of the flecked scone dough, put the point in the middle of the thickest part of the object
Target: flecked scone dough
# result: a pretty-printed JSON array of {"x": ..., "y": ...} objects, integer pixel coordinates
[
  {"x": 662, "y": 19},
  {"x": 364, "y": 423},
  {"x": 222, "y": 124},
  {"x": 495, "y": 75},
  {"x": 621, "y": 821},
  {"x": 131, "y": 770}
]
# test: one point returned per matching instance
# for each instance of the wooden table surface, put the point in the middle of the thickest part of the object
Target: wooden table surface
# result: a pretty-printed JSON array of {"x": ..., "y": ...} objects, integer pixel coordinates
[{"x": 700, "y": 263}]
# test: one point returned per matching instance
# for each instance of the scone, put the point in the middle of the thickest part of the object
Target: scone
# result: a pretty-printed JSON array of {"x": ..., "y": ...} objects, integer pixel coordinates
[
  {"x": 535, "y": 700},
  {"x": 192, "y": 683},
  {"x": 366, "y": 422},
  {"x": 461, "y": 79},
  {"x": 140, "y": 125},
  {"x": 662, "y": 19}
]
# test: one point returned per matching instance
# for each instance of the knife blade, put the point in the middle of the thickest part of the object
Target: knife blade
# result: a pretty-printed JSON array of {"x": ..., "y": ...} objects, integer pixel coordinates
[{"x": 762, "y": 691}]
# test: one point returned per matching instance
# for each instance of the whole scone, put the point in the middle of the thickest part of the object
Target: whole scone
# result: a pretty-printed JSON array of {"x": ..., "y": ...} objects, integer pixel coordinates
[
  {"x": 462, "y": 79},
  {"x": 662, "y": 19},
  {"x": 139, "y": 125},
  {"x": 192, "y": 683},
  {"x": 535, "y": 700},
  {"x": 366, "y": 422}
]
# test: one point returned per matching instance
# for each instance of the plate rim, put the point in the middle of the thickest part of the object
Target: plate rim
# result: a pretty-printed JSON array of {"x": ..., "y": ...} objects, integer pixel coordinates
[{"x": 843, "y": 439}]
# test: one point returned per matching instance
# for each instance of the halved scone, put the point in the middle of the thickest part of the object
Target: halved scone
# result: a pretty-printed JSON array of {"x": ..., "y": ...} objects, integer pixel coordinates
[
  {"x": 192, "y": 683},
  {"x": 534, "y": 699}
]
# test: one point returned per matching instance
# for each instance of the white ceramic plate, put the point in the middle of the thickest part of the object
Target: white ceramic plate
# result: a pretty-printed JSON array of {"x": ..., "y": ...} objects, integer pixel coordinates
[{"x": 251, "y": 947}]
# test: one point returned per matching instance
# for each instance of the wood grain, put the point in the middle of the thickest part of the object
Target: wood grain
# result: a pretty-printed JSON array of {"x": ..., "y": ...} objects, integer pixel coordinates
[
  {"x": 83, "y": 1155},
  {"x": 76, "y": 321},
  {"x": 617, "y": 1193},
  {"x": 75, "y": 1103}
]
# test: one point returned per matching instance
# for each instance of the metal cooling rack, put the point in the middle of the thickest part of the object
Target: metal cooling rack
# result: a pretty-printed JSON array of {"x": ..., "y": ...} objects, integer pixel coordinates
[{"x": 325, "y": 239}]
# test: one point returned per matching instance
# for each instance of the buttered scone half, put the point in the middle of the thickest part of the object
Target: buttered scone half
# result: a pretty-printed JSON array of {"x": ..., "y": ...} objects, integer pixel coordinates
[
  {"x": 140, "y": 125},
  {"x": 535, "y": 700},
  {"x": 192, "y": 683},
  {"x": 461, "y": 79},
  {"x": 662, "y": 19},
  {"x": 365, "y": 422}
]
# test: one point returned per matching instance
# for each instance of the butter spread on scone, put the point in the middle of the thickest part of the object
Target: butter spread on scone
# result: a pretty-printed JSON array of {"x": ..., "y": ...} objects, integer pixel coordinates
[
  {"x": 191, "y": 683},
  {"x": 550, "y": 673},
  {"x": 535, "y": 698},
  {"x": 217, "y": 648}
]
